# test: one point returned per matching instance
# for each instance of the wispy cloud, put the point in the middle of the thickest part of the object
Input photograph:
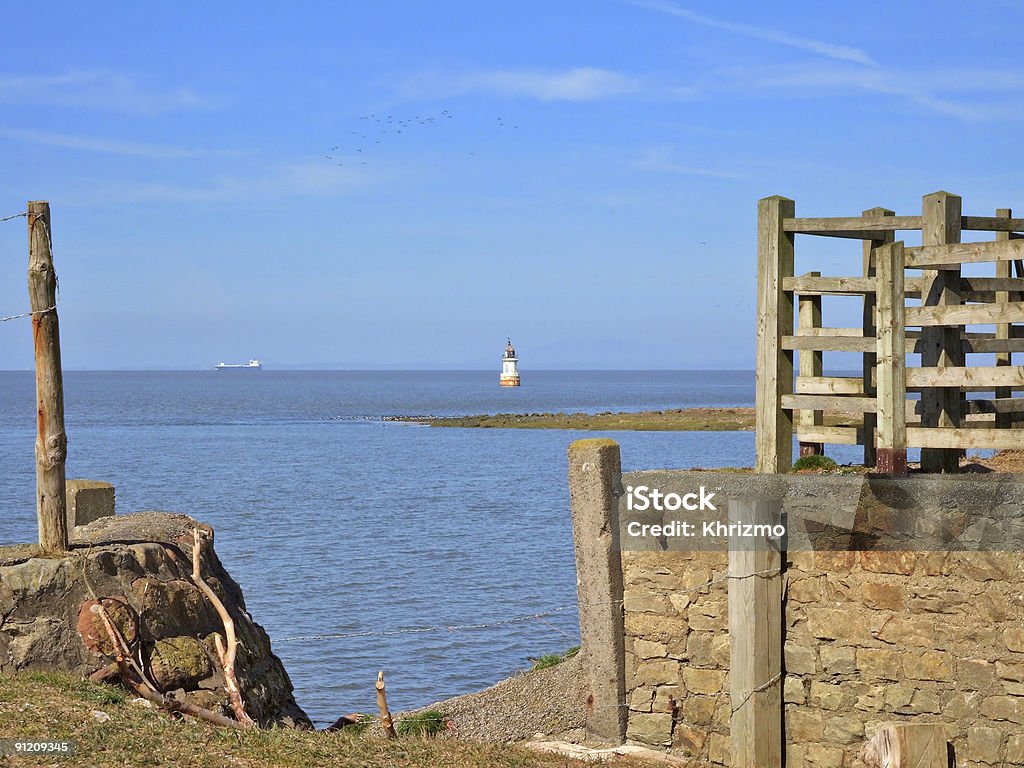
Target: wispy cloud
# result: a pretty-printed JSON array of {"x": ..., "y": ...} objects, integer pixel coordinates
[
  {"x": 97, "y": 89},
  {"x": 660, "y": 160},
  {"x": 967, "y": 94},
  {"x": 820, "y": 47},
  {"x": 112, "y": 146},
  {"x": 574, "y": 85}
]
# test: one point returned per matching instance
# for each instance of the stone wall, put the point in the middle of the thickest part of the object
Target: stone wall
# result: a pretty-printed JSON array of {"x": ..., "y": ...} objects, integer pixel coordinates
[{"x": 874, "y": 631}]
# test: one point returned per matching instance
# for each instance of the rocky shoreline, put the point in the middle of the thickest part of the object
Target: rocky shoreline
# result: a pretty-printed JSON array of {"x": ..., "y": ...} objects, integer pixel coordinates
[
  {"x": 140, "y": 564},
  {"x": 672, "y": 420}
]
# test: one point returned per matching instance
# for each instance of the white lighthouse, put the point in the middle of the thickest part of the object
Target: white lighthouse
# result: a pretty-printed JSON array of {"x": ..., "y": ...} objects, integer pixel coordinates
[{"x": 509, "y": 367}]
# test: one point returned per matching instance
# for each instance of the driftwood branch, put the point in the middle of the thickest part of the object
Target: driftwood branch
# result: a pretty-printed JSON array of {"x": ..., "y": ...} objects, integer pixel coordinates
[
  {"x": 382, "y": 705},
  {"x": 141, "y": 686},
  {"x": 226, "y": 654}
]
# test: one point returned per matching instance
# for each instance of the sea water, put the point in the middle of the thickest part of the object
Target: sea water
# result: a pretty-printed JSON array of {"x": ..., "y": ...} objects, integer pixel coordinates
[{"x": 350, "y": 534}]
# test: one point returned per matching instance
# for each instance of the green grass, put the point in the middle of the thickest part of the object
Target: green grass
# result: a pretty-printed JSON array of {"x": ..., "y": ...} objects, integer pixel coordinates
[
  {"x": 56, "y": 707},
  {"x": 816, "y": 461},
  {"x": 429, "y": 722},
  {"x": 552, "y": 659}
]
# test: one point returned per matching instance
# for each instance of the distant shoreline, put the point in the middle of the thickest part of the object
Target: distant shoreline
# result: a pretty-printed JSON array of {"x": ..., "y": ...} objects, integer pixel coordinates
[{"x": 675, "y": 420}]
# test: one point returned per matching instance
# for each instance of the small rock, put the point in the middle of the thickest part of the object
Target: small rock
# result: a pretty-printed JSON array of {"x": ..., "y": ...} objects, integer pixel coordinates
[{"x": 100, "y": 717}]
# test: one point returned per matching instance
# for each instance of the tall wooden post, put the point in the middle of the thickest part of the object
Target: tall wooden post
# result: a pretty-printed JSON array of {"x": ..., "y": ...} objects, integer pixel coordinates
[
  {"x": 890, "y": 345},
  {"x": 941, "y": 345},
  {"x": 774, "y": 320},
  {"x": 1003, "y": 269},
  {"x": 755, "y": 639},
  {"x": 51, "y": 441},
  {"x": 810, "y": 365},
  {"x": 869, "y": 247}
]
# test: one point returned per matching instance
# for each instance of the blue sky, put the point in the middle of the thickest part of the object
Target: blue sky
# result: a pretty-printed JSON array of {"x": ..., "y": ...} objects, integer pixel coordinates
[{"x": 592, "y": 194}]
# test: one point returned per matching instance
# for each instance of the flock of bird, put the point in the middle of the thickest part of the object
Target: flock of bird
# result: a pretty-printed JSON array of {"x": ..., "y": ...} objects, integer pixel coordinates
[{"x": 376, "y": 129}]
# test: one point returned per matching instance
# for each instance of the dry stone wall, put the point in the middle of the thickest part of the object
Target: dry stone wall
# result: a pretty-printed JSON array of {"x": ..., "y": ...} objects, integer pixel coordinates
[{"x": 871, "y": 635}]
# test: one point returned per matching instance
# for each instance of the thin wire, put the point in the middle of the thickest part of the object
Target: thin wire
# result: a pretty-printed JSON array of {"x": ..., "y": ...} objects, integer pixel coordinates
[
  {"x": 14, "y": 216},
  {"x": 56, "y": 297}
]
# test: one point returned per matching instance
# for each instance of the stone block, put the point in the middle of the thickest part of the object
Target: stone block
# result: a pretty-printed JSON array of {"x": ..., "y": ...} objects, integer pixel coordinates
[
  {"x": 826, "y": 695},
  {"x": 800, "y": 659},
  {"x": 1015, "y": 749},
  {"x": 871, "y": 700},
  {"x": 837, "y": 560},
  {"x": 898, "y": 698},
  {"x": 804, "y": 725},
  {"x": 976, "y": 674},
  {"x": 708, "y": 614},
  {"x": 930, "y": 665},
  {"x": 700, "y": 710},
  {"x": 882, "y": 596},
  {"x": 649, "y": 649},
  {"x": 925, "y": 702},
  {"x": 1010, "y": 708},
  {"x": 666, "y": 699},
  {"x": 880, "y": 663},
  {"x": 720, "y": 750},
  {"x": 793, "y": 691},
  {"x": 882, "y": 561},
  {"x": 88, "y": 500},
  {"x": 842, "y": 729},
  {"x": 804, "y": 590},
  {"x": 1014, "y": 639},
  {"x": 657, "y": 672},
  {"x": 651, "y": 626},
  {"x": 643, "y": 601},
  {"x": 1012, "y": 672},
  {"x": 653, "y": 729},
  {"x": 838, "y": 659},
  {"x": 679, "y": 601},
  {"x": 980, "y": 566},
  {"x": 703, "y": 681},
  {"x": 689, "y": 740},
  {"x": 984, "y": 744},
  {"x": 640, "y": 699}
]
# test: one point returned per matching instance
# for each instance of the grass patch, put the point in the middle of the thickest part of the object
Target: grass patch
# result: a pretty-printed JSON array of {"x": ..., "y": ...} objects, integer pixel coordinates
[
  {"x": 82, "y": 690},
  {"x": 429, "y": 722},
  {"x": 549, "y": 660},
  {"x": 55, "y": 707},
  {"x": 815, "y": 462}
]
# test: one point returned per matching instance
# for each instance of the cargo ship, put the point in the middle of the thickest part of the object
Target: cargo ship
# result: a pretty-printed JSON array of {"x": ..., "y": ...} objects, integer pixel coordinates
[{"x": 252, "y": 365}]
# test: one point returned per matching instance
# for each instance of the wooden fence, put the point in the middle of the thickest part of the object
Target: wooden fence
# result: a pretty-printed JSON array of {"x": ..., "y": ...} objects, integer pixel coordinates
[{"x": 944, "y": 304}]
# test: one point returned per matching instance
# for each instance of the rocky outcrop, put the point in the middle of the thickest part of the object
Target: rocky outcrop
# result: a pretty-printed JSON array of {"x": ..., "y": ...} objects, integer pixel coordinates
[{"x": 143, "y": 561}]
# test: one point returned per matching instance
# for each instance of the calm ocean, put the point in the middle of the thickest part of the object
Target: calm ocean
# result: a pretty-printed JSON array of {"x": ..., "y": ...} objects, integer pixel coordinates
[{"x": 337, "y": 523}]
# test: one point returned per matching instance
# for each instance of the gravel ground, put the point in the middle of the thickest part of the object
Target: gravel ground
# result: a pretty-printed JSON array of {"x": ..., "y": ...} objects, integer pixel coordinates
[{"x": 549, "y": 702}]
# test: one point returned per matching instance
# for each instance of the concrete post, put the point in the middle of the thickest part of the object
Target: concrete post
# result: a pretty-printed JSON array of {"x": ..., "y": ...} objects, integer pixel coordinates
[
  {"x": 88, "y": 500},
  {"x": 595, "y": 483}
]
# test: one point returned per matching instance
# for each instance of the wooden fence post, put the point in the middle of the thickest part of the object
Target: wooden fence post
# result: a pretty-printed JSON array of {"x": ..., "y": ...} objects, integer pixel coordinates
[
  {"x": 595, "y": 484},
  {"x": 810, "y": 365},
  {"x": 890, "y": 345},
  {"x": 908, "y": 745},
  {"x": 755, "y": 639},
  {"x": 51, "y": 441},
  {"x": 1003, "y": 269},
  {"x": 941, "y": 345},
  {"x": 869, "y": 247},
  {"x": 774, "y": 365}
]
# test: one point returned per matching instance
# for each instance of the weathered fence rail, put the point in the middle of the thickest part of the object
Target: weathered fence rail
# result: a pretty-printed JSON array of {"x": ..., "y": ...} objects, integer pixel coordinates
[{"x": 943, "y": 422}]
